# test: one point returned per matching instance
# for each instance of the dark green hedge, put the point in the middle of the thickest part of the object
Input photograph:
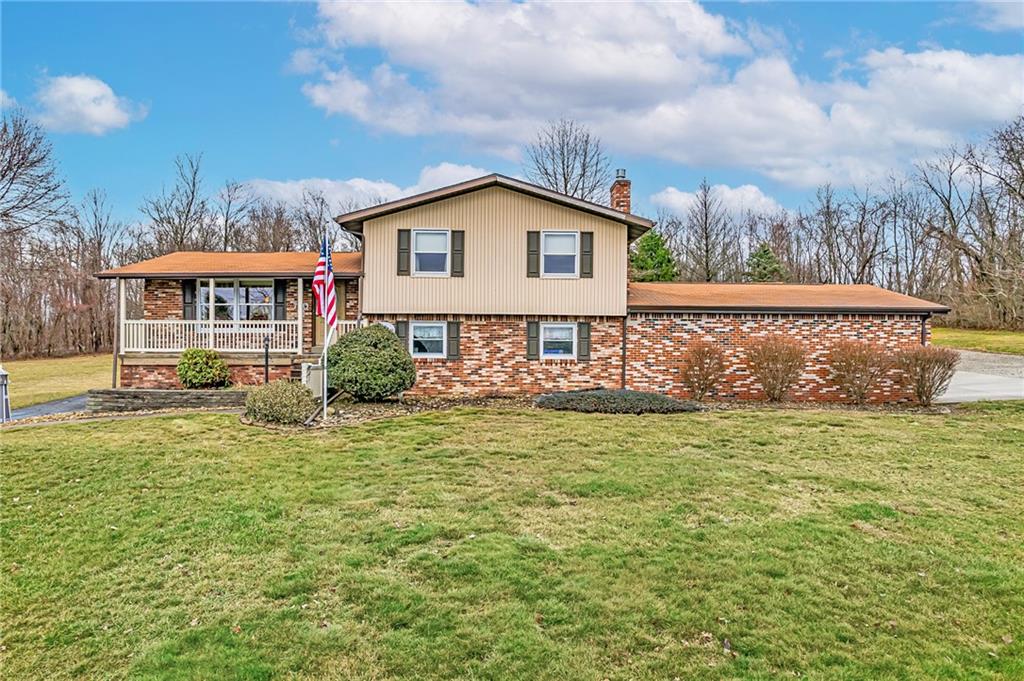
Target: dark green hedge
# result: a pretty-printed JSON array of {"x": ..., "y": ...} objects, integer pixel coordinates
[
  {"x": 202, "y": 368},
  {"x": 370, "y": 364},
  {"x": 615, "y": 402}
]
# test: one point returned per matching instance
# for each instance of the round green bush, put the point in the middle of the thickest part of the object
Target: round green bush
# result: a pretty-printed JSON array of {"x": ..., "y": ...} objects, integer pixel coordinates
[
  {"x": 280, "y": 402},
  {"x": 370, "y": 364},
  {"x": 605, "y": 401},
  {"x": 202, "y": 368}
]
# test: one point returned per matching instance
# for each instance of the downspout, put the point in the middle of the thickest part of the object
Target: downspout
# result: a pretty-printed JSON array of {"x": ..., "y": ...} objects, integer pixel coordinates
[{"x": 624, "y": 328}]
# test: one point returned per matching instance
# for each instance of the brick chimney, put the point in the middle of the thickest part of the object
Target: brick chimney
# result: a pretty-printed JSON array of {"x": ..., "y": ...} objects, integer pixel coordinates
[{"x": 620, "y": 191}]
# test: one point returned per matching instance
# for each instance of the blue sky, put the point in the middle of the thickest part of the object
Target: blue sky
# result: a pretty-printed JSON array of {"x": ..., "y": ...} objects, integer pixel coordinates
[{"x": 766, "y": 99}]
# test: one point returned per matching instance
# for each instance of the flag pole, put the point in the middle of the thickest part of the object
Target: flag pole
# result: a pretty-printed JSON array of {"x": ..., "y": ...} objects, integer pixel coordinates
[{"x": 323, "y": 360}]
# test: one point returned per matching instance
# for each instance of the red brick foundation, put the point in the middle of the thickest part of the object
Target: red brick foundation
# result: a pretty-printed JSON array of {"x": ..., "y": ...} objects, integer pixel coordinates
[
  {"x": 493, "y": 360},
  {"x": 657, "y": 343},
  {"x": 166, "y": 376}
]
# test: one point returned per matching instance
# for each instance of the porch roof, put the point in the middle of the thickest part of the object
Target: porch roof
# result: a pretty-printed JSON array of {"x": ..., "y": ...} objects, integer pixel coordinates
[
  {"x": 837, "y": 298},
  {"x": 188, "y": 264}
]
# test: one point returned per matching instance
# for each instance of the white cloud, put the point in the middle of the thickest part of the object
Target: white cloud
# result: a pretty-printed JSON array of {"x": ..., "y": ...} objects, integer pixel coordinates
[
  {"x": 668, "y": 80},
  {"x": 736, "y": 200},
  {"x": 6, "y": 101},
  {"x": 358, "y": 191},
  {"x": 83, "y": 104},
  {"x": 1000, "y": 16}
]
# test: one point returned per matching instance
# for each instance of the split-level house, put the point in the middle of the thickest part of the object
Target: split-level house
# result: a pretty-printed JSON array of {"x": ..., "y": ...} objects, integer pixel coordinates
[{"x": 497, "y": 286}]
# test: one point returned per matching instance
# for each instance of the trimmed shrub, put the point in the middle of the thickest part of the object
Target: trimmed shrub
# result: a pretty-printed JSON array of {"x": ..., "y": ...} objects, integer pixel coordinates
[
  {"x": 927, "y": 370},
  {"x": 370, "y": 364},
  {"x": 614, "y": 402},
  {"x": 777, "y": 362},
  {"x": 703, "y": 368},
  {"x": 280, "y": 402},
  {"x": 857, "y": 367},
  {"x": 202, "y": 368}
]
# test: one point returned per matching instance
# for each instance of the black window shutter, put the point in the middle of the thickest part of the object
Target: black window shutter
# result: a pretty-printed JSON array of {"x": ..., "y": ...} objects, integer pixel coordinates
[
  {"x": 533, "y": 254},
  {"x": 402, "y": 331},
  {"x": 454, "y": 340},
  {"x": 280, "y": 298},
  {"x": 458, "y": 248},
  {"x": 404, "y": 239},
  {"x": 583, "y": 341},
  {"x": 188, "y": 298},
  {"x": 532, "y": 340},
  {"x": 587, "y": 255}
]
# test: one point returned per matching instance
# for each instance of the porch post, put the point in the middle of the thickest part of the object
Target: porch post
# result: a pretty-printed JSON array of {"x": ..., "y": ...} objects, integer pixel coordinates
[
  {"x": 298, "y": 283},
  {"x": 119, "y": 329},
  {"x": 210, "y": 314}
]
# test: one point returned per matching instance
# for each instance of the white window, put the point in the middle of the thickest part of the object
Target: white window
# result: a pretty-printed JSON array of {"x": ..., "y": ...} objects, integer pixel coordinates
[
  {"x": 559, "y": 254},
  {"x": 558, "y": 341},
  {"x": 430, "y": 252},
  {"x": 238, "y": 299},
  {"x": 427, "y": 339}
]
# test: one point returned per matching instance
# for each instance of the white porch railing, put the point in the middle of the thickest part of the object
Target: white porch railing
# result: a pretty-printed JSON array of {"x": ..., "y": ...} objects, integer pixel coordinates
[{"x": 167, "y": 335}]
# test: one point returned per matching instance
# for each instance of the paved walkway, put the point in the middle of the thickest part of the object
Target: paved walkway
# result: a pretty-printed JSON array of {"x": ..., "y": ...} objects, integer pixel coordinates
[
  {"x": 986, "y": 376},
  {"x": 63, "y": 406}
]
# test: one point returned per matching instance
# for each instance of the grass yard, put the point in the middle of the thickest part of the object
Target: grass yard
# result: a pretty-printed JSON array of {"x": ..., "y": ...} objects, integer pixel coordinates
[
  {"x": 518, "y": 545},
  {"x": 41, "y": 380},
  {"x": 1011, "y": 342}
]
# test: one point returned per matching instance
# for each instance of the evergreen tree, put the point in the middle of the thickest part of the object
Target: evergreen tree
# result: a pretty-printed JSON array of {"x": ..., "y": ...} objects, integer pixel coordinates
[
  {"x": 762, "y": 265},
  {"x": 651, "y": 260}
]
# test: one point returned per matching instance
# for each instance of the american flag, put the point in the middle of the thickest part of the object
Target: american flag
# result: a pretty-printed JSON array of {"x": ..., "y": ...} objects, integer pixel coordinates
[{"x": 323, "y": 286}]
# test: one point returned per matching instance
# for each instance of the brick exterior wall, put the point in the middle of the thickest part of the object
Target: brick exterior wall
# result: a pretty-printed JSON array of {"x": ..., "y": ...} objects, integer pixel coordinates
[
  {"x": 166, "y": 375},
  {"x": 656, "y": 348},
  {"x": 493, "y": 360},
  {"x": 162, "y": 299}
]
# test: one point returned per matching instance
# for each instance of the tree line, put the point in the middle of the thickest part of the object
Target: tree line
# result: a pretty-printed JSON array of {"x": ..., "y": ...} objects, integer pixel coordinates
[
  {"x": 953, "y": 232},
  {"x": 51, "y": 248}
]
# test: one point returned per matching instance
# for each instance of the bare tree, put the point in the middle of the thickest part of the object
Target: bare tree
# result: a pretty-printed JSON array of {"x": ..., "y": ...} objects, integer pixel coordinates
[
  {"x": 708, "y": 248},
  {"x": 568, "y": 158},
  {"x": 232, "y": 205},
  {"x": 31, "y": 191},
  {"x": 269, "y": 227},
  {"x": 181, "y": 219}
]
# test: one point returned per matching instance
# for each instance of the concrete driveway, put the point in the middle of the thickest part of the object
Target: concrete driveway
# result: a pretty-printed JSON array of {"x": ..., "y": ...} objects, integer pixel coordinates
[{"x": 986, "y": 376}]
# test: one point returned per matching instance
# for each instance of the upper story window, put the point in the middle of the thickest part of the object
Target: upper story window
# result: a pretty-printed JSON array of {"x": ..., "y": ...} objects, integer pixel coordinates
[
  {"x": 430, "y": 250},
  {"x": 559, "y": 254},
  {"x": 238, "y": 299}
]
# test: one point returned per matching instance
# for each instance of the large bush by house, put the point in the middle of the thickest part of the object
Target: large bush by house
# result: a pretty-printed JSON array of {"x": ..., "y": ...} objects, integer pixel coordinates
[
  {"x": 927, "y": 370},
  {"x": 703, "y": 367},
  {"x": 202, "y": 368},
  {"x": 777, "y": 362},
  {"x": 280, "y": 402},
  {"x": 370, "y": 364},
  {"x": 857, "y": 367},
  {"x": 614, "y": 402}
]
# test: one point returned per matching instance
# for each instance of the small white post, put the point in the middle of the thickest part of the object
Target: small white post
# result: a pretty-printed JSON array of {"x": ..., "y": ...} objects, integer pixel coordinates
[
  {"x": 298, "y": 283},
  {"x": 210, "y": 314}
]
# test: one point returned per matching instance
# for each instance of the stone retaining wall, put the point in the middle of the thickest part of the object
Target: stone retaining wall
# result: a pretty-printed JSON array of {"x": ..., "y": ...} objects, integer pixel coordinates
[{"x": 139, "y": 399}]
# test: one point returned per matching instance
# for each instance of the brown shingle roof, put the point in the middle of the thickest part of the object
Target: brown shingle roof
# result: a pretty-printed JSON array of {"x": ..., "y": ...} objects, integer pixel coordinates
[
  {"x": 635, "y": 224},
  {"x": 773, "y": 297},
  {"x": 220, "y": 264}
]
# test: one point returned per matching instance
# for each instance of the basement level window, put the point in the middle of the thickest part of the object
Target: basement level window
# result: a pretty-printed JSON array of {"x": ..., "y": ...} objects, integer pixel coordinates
[
  {"x": 557, "y": 341},
  {"x": 427, "y": 339}
]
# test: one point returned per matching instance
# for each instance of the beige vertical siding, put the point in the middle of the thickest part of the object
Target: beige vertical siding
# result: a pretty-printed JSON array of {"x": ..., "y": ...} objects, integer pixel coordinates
[{"x": 495, "y": 221}]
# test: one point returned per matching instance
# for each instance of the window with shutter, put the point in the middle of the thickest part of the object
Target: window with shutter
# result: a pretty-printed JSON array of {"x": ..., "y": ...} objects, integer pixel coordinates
[
  {"x": 458, "y": 250},
  {"x": 404, "y": 240},
  {"x": 532, "y": 340},
  {"x": 454, "y": 340},
  {"x": 587, "y": 255},
  {"x": 583, "y": 341},
  {"x": 533, "y": 254}
]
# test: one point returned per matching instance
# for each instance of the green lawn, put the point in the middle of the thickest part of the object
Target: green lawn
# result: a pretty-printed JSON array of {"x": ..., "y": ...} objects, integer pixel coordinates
[
  {"x": 41, "y": 380},
  {"x": 481, "y": 544},
  {"x": 1011, "y": 342}
]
